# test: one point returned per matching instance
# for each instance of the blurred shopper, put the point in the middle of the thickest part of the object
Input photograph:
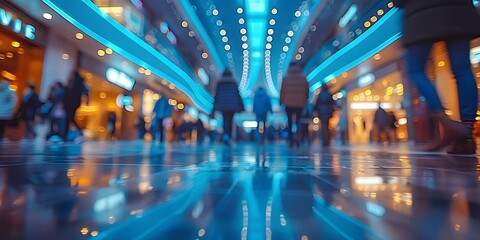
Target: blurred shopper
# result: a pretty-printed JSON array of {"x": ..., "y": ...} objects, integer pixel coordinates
[
  {"x": 28, "y": 108},
  {"x": 325, "y": 107},
  {"x": 141, "y": 127},
  {"x": 343, "y": 126},
  {"x": 74, "y": 91},
  {"x": 392, "y": 124},
  {"x": 111, "y": 124},
  {"x": 8, "y": 100},
  {"x": 381, "y": 125},
  {"x": 261, "y": 107},
  {"x": 229, "y": 102},
  {"x": 456, "y": 22},
  {"x": 294, "y": 96},
  {"x": 161, "y": 110},
  {"x": 305, "y": 120},
  {"x": 56, "y": 113}
]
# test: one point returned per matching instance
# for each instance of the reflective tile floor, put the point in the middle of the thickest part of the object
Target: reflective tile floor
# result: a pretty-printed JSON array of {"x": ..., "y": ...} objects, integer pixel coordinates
[{"x": 135, "y": 190}]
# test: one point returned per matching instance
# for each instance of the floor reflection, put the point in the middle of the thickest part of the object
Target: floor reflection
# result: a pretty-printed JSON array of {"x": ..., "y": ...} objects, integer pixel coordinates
[{"x": 132, "y": 190}]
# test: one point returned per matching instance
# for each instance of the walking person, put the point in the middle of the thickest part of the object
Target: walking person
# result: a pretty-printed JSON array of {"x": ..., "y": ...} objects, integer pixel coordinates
[
  {"x": 455, "y": 22},
  {"x": 305, "y": 120},
  {"x": 8, "y": 100},
  {"x": 381, "y": 125},
  {"x": 74, "y": 91},
  {"x": 56, "y": 113},
  {"x": 228, "y": 101},
  {"x": 325, "y": 107},
  {"x": 28, "y": 108},
  {"x": 294, "y": 96},
  {"x": 261, "y": 107},
  {"x": 161, "y": 110}
]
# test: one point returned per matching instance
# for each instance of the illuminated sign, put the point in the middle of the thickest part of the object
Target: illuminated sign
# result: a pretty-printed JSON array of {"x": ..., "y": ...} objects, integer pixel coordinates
[
  {"x": 366, "y": 80},
  {"x": 120, "y": 79},
  {"x": 7, "y": 19},
  {"x": 475, "y": 55}
]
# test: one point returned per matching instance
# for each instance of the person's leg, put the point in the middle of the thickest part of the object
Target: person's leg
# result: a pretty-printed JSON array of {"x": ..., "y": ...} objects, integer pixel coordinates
[
  {"x": 298, "y": 114},
  {"x": 227, "y": 126},
  {"x": 3, "y": 124},
  {"x": 289, "y": 112},
  {"x": 459, "y": 54},
  {"x": 417, "y": 56},
  {"x": 161, "y": 129},
  {"x": 325, "y": 132}
]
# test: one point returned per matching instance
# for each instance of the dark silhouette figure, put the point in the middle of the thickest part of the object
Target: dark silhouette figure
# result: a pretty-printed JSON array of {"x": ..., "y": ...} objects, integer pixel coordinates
[
  {"x": 261, "y": 107},
  {"x": 325, "y": 107},
  {"x": 74, "y": 91}
]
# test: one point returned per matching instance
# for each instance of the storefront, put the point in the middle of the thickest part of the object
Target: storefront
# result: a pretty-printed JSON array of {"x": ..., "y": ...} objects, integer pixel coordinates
[
  {"x": 384, "y": 87},
  {"x": 22, "y": 42},
  {"x": 113, "y": 95}
]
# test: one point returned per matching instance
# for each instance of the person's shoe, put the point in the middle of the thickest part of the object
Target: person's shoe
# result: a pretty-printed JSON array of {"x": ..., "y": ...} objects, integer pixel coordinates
[
  {"x": 226, "y": 140},
  {"x": 465, "y": 145},
  {"x": 452, "y": 131}
]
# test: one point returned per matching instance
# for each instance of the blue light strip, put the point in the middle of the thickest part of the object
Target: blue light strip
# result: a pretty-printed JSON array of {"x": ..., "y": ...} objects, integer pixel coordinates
[
  {"x": 87, "y": 17},
  {"x": 380, "y": 35},
  {"x": 256, "y": 12},
  {"x": 200, "y": 30}
]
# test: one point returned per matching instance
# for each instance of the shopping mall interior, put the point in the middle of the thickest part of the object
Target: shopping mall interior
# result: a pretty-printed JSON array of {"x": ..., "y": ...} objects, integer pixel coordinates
[{"x": 127, "y": 170}]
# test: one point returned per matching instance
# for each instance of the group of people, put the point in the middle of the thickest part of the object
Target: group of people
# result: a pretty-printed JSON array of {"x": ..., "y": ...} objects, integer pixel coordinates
[
  {"x": 294, "y": 96},
  {"x": 59, "y": 108}
]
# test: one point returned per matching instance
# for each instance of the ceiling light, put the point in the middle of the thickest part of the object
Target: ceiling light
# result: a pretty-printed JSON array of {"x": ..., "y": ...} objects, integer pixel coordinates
[
  {"x": 268, "y": 46},
  {"x": 301, "y": 49},
  {"x": 109, "y": 51},
  {"x": 244, "y": 46},
  {"x": 219, "y": 23},
  {"x": 373, "y": 19},
  {"x": 243, "y": 31},
  {"x": 141, "y": 70},
  {"x": 184, "y": 24},
  {"x": 227, "y": 47},
  {"x": 270, "y": 31},
  {"x": 298, "y": 14},
  {"x": 241, "y": 21},
  {"x": 298, "y": 57},
  {"x": 79, "y": 36},
  {"x": 204, "y": 55},
  {"x": 288, "y": 40},
  {"x": 274, "y": 11},
  {"x": 290, "y": 33},
  {"x": 20, "y": 51},
  {"x": 377, "y": 57},
  {"x": 367, "y": 24},
  {"x": 15, "y": 44},
  {"x": 272, "y": 21},
  {"x": 239, "y": 10},
  {"x": 101, "y": 53},
  {"x": 225, "y": 39},
  {"x": 65, "y": 56},
  {"x": 148, "y": 72},
  {"x": 244, "y": 38},
  {"x": 380, "y": 12},
  {"x": 269, "y": 38},
  {"x": 285, "y": 48},
  {"x": 223, "y": 32},
  {"x": 215, "y": 12},
  {"x": 191, "y": 34},
  {"x": 9, "y": 55},
  {"x": 47, "y": 16}
]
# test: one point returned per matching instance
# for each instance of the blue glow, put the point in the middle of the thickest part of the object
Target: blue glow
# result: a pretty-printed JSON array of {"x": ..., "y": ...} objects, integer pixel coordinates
[
  {"x": 366, "y": 80},
  {"x": 256, "y": 29},
  {"x": 257, "y": 55},
  {"x": 475, "y": 3},
  {"x": 120, "y": 79},
  {"x": 256, "y": 6},
  {"x": 348, "y": 16},
  {"x": 375, "y": 209},
  {"x": 373, "y": 40},
  {"x": 164, "y": 27},
  {"x": 110, "y": 33}
]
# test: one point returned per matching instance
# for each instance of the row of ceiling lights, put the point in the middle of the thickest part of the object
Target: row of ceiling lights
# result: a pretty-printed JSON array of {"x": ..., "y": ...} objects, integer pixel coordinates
[{"x": 268, "y": 46}]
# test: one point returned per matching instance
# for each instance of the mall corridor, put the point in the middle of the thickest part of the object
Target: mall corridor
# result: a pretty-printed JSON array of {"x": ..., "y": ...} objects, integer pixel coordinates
[{"x": 136, "y": 190}]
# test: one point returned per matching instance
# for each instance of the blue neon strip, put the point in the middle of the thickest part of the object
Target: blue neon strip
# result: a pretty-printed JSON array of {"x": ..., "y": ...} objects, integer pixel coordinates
[
  {"x": 380, "y": 35},
  {"x": 197, "y": 25},
  {"x": 110, "y": 33}
]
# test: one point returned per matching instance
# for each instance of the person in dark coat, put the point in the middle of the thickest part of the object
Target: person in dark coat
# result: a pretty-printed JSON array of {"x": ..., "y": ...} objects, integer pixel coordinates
[
  {"x": 456, "y": 23},
  {"x": 161, "y": 110},
  {"x": 294, "y": 96},
  {"x": 28, "y": 108},
  {"x": 325, "y": 106},
  {"x": 73, "y": 98},
  {"x": 261, "y": 107},
  {"x": 381, "y": 125},
  {"x": 228, "y": 101}
]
